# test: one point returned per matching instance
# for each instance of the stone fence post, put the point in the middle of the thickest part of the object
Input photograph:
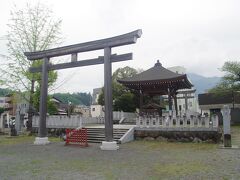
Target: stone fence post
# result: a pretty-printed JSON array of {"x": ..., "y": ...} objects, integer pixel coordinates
[{"x": 226, "y": 126}]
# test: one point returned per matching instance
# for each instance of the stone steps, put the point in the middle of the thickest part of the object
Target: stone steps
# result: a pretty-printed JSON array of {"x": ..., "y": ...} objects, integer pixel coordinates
[{"x": 97, "y": 135}]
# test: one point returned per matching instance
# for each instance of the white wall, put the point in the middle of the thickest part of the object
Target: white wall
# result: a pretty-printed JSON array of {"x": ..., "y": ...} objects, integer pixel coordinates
[
  {"x": 3, "y": 103},
  {"x": 97, "y": 111}
]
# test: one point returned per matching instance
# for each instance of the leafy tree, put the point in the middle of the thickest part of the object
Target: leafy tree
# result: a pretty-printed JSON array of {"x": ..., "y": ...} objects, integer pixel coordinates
[
  {"x": 2, "y": 110},
  {"x": 51, "y": 108},
  {"x": 4, "y": 92},
  {"x": 124, "y": 72},
  {"x": 101, "y": 98},
  {"x": 123, "y": 98},
  {"x": 126, "y": 102},
  {"x": 231, "y": 80},
  {"x": 30, "y": 29}
]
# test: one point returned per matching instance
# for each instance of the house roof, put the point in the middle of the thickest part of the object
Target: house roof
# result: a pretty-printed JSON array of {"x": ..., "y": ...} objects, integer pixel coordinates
[
  {"x": 158, "y": 78},
  {"x": 54, "y": 98},
  {"x": 226, "y": 98},
  {"x": 152, "y": 106}
]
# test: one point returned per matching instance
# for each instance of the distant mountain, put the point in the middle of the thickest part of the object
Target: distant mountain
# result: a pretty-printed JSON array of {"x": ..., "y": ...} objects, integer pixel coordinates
[{"x": 201, "y": 83}]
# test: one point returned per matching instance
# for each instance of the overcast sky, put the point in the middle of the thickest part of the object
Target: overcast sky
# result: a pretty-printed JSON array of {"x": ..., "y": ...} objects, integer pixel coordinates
[{"x": 199, "y": 35}]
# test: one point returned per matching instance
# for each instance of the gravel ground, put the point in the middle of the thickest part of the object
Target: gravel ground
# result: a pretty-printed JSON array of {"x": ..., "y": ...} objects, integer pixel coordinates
[{"x": 136, "y": 160}]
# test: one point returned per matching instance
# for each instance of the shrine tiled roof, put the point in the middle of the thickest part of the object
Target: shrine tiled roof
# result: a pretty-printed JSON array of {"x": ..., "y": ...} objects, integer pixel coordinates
[{"x": 157, "y": 77}]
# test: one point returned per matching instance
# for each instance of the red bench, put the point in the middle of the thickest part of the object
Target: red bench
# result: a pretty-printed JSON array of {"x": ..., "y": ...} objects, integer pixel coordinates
[{"x": 77, "y": 136}]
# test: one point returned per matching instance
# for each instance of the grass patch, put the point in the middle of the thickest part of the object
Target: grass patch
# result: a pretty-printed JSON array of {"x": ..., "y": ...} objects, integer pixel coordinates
[
  {"x": 156, "y": 145},
  {"x": 176, "y": 169},
  {"x": 81, "y": 165},
  {"x": 12, "y": 140}
]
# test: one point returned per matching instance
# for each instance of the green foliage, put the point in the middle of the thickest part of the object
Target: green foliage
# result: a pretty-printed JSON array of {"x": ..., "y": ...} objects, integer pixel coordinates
[
  {"x": 231, "y": 80},
  {"x": 123, "y": 98},
  {"x": 232, "y": 70},
  {"x": 2, "y": 110},
  {"x": 51, "y": 108},
  {"x": 74, "y": 98},
  {"x": 101, "y": 98},
  {"x": 122, "y": 73},
  {"x": 4, "y": 92},
  {"x": 31, "y": 29},
  {"x": 126, "y": 102}
]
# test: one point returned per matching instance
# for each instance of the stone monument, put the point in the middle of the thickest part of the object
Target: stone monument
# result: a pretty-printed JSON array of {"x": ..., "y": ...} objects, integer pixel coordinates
[{"x": 226, "y": 126}]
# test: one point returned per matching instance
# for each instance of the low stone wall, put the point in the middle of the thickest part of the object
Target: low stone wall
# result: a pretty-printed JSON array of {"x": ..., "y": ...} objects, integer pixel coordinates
[
  {"x": 52, "y": 132},
  {"x": 179, "y": 136}
]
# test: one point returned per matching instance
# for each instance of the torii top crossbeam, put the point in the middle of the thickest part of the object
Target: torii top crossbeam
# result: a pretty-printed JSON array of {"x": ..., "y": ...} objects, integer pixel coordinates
[{"x": 125, "y": 39}]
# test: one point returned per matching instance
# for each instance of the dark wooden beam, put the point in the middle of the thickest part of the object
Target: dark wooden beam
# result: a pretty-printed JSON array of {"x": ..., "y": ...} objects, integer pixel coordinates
[
  {"x": 108, "y": 95},
  {"x": 187, "y": 91},
  {"x": 125, "y": 39},
  {"x": 99, "y": 60},
  {"x": 43, "y": 99},
  {"x": 175, "y": 103},
  {"x": 188, "y": 97},
  {"x": 141, "y": 102},
  {"x": 169, "y": 100},
  {"x": 182, "y": 97}
]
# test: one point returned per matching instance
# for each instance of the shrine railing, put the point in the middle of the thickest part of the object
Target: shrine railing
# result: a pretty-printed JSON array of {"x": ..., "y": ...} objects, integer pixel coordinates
[
  {"x": 75, "y": 121},
  {"x": 59, "y": 121},
  {"x": 155, "y": 121}
]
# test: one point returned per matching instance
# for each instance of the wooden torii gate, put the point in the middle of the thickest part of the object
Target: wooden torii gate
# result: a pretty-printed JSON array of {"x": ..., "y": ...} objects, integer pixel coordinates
[{"x": 73, "y": 50}]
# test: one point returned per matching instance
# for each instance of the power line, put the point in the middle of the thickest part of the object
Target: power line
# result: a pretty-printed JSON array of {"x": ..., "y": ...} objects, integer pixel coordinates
[{"x": 64, "y": 80}]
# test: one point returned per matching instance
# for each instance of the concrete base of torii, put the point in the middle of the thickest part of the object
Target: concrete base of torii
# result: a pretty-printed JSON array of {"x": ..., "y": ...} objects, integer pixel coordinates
[
  {"x": 41, "y": 141},
  {"x": 109, "y": 145}
]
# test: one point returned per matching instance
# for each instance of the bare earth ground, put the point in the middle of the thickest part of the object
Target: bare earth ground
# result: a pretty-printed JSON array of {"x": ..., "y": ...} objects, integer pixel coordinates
[{"x": 20, "y": 159}]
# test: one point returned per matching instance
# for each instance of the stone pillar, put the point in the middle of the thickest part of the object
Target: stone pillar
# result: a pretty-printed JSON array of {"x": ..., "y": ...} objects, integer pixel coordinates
[
  {"x": 1, "y": 122},
  {"x": 226, "y": 126}
]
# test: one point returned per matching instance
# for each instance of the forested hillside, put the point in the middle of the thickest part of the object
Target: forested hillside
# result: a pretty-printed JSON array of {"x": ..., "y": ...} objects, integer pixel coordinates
[
  {"x": 4, "y": 92},
  {"x": 74, "y": 98}
]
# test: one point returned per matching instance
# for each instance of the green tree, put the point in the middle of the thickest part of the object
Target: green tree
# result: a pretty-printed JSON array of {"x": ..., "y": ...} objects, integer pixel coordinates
[
  {"x": 231, "y": 80},
  {"x": 30, "y": 29},
  {"x": 51, "y": 108},
  {"x": 123, "y": 98},
  {"x": 124, "y": 72},
  {"x": 2, "y": 110},
  {"x": 126, "y": 102}
]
